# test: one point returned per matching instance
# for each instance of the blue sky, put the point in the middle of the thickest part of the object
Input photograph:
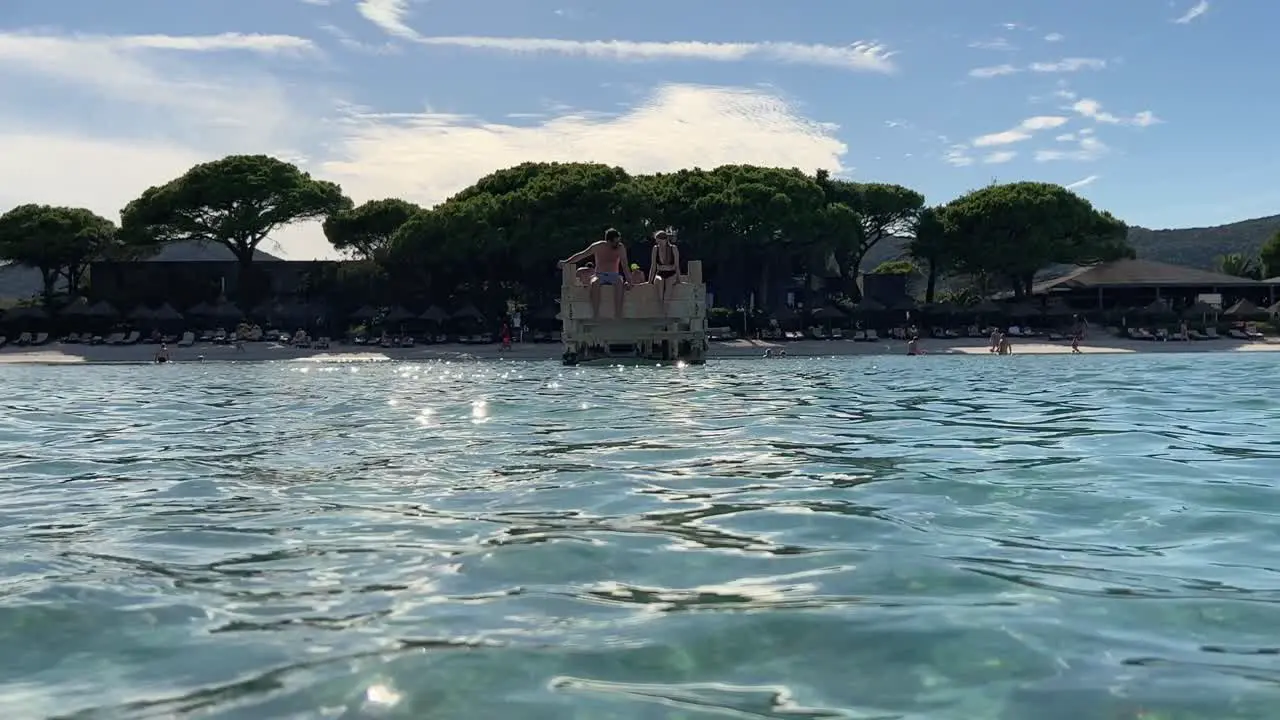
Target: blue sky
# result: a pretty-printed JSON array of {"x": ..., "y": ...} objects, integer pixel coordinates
[{"x": 1159, "y": 110}]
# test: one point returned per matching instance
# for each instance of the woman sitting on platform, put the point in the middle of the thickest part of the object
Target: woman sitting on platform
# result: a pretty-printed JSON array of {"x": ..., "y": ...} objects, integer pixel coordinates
[{"x": 664, "y": 267}]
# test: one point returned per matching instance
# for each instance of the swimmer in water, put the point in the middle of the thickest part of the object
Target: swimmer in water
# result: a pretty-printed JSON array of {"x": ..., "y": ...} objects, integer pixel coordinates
[{"x": 162, "y": 355}]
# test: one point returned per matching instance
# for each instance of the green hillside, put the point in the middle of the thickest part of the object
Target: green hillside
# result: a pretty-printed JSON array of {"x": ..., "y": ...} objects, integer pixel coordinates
[
  {"x": 1199, "y": 247},
  {"x": 1191, "y": 247}
]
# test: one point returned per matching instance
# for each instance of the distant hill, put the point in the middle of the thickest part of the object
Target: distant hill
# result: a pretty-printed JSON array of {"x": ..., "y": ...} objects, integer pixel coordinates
[
  {"x": 1190, "y": 247},
  {"x": 18, "y": 283},
  {"x": 1200, "y": 247}
]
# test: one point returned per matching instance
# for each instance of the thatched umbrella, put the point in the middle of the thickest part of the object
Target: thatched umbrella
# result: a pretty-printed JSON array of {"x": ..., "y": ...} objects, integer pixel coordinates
[
  {"x": 869, "y": 305},
  {"x": 365, "y": 313},
  {"x": 1199, "y": 310},
  {"x": 399, "y": 314},
  {"x": 904, "y": 304},
  {"x": 435, "y": 314},
  {"x": 141, "y": 313},
  {"x": 1021, "y": 310},
  {"x": 166, "y": 313},
  {"x": 1157, "y": 309},
  {"x": 1274, "y": 309},
  {"x": 1244, "y": 309},
  {"x": 986, "y": 307},
  {"x": 219, "y": 311},
  {"x": 470, "y": 312},
  {"x": 76, "y": 308},
  {"x": 25, "y": 316},
  {"x": 103, "y": 309},
  {"x": 828, "y": 314}
]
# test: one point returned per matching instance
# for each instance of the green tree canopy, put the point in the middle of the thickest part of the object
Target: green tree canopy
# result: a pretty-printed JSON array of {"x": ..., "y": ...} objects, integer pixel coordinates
[
  {"x": 1017, "y": 229},
  {"x": 1269, "y": 256},
  {"x": 236, "y": 202},
  {"x": 929, "y": 246},
  {"x": 1239, "y": 265},
  {"x": 366, "y": 230},
  {"x": 58, "y": 241}
]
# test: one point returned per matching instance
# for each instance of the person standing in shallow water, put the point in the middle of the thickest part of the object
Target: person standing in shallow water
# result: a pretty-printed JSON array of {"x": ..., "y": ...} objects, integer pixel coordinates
[{"x": 610, "y": 257}]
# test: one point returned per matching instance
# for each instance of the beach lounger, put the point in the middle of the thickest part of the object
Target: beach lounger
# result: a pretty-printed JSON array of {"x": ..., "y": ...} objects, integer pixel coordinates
[
  {"x": 188, "y": 339},
  {"x": 3, "y": 340},
  {"x": 837, "y": 334},
  {"x": 23, "y": 339},
  {"x": 115, "y": 339},
  {"x": 132, "y": 338},
  {"x": 40, "y": 339}
]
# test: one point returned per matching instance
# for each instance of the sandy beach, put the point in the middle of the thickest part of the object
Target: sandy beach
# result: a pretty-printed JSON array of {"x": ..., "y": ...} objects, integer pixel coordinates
[{"x": 53, "y": 353}]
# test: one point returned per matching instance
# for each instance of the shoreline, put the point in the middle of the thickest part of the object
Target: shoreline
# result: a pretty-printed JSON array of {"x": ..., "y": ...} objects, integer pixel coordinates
[{"x": 55, "y": 354}]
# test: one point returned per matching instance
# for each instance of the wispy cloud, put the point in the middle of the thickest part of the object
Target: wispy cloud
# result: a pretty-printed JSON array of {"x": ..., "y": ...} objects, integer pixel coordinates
[
  {"x": 999, "y": 43},
  {"x": 958, "y": 156},
  {"x": 1054, "y": 37},
  {"x": 1087, "y": 148},
  {"x": 858, "y": 56},
  {"x": 991, "y": 71},
  {"x": 1092, "y": 109},
  {"x": 1074, "y": 64},
  {"x": 22, "y": 43},
  {"x": 1194, "y": 12},
  {"x": 1065, "y": 65},
  {"x": 1082, "y": 182},
  {"x": 999, "y": 157},
  {"x": 389, "y": 15},
  {"x": 1022, "y": 131}
]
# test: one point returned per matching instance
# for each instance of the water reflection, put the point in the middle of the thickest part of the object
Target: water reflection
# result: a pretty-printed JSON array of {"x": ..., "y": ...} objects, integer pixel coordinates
[{"x": 843, "y": 538}]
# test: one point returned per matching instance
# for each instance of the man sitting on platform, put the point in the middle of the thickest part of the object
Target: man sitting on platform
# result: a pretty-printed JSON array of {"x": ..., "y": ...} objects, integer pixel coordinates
[{"x": 611, "y": 264}]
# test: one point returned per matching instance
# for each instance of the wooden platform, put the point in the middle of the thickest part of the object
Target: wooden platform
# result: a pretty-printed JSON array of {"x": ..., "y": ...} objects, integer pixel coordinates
[{"x": 644, "y": 322}]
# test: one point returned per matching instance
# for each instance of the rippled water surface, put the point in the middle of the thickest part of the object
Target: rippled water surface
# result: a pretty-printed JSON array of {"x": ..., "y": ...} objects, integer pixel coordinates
[{"x": 969, "y": 538}]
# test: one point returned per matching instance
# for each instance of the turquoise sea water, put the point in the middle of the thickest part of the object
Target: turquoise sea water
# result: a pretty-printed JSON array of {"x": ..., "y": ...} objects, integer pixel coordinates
[{"x": 969, "y": 538}]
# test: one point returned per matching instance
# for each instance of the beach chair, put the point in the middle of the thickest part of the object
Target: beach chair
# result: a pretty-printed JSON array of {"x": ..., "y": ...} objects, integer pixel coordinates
[
  {"x": 40, "y": 339},
  {"x": 188, "y": 339},
  {"x": 23, "y": 339},
  {"x": 115, "y": 338},
  {"x": 3, "y": 340},
  {"x": 1212, "y": 333},
  {"x": 72, "y": 339},
  {"x": 132, "y": 338},
  {"x": 837, "y": 334}
]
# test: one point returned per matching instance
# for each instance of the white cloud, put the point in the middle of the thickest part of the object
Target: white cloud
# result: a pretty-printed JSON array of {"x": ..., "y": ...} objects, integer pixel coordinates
[
  {"x": 389, "y": 15},
  {"x": 27, "y": 45},
  {"x": 958, "y": 156},
  {"x": 1092, "y": 109},
  {"x": 430, "y": 156},
  {"x": 1087, "y": 149},
  {"x": 1074, "y": 64},
  {"x": 1082, "y": 182},
  {"x": 146, "y": 76},
  {"x": 999, "y": 43},
  {"x": 991, "y": 71},
  {"x": 858, "y": 56},
  {"x": 1022, "y": 131},
  {"x": 1065, "y": 137},
  {"x": 997, "y": 158},
  {"x": 1054, "y": 37},
  {"x": 1065, "y": 65},
  {"x": 1194, "y": 12},
  {"x": 172, "y": 115}
]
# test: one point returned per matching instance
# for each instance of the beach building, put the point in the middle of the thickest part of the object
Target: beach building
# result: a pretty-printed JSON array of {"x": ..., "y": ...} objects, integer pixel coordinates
[{"x": 1138, "y": 283}]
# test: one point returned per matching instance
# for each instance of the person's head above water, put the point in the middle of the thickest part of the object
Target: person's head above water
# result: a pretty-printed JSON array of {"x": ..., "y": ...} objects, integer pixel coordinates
[{"x": 612, "y": 236}]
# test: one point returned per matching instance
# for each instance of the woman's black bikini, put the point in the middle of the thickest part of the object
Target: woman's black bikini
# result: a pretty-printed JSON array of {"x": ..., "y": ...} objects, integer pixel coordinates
[{"x": 666, "y": 265}]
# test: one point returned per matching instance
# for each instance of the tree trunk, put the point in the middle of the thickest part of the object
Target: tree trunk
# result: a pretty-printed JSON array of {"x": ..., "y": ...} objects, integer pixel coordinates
[
  {"x": 50, "y": 278},
  {"x": 932, "y": 284}
]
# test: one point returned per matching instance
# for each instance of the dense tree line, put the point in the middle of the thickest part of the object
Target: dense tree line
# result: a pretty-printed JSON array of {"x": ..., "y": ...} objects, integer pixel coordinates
[{"x": 498, "y": 240}]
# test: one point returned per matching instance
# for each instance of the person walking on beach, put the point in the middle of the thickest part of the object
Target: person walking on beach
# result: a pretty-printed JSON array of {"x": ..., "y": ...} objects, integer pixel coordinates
[{"x": 610, "y": 257}]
